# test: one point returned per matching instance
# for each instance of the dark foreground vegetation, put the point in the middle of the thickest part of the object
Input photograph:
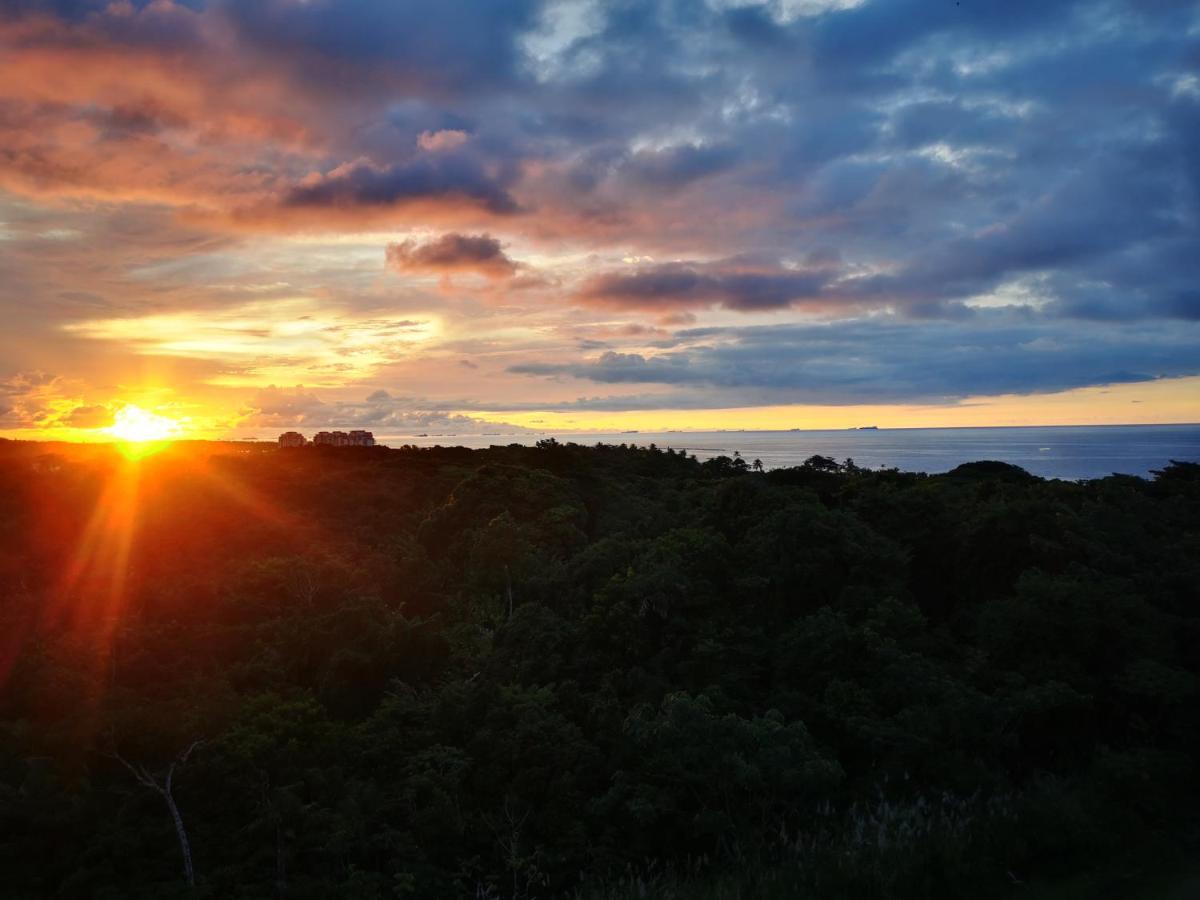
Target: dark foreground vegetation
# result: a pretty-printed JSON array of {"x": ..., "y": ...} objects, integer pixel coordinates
[{"x": 590, "y": 672}]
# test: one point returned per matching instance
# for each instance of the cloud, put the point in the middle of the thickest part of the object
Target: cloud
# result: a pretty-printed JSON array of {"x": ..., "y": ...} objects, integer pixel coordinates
[
  {"x": 284, "y": 407},
  {"x": 441, "y": 140},
  {"x": 657, "y": 170},
  {"x": 452, "y": 253},
  {"x": 733, "y": 284},
  {"x": 38, "y": 399},
  {"x": 1009, "y": 192},
  {"x": 892, "y": 360},
  {"x": 386, "y": 413},
  {"x": 453, "y": 179},
  {"x": 95, "y": 416},
  {"x": 449, "y": 46},
  {"x": 1101, "y": 209},
  {"x": 261, "y": 341},
  {"x": 616, "y": 368},
  {"x": 895, "y": 126},
  {"x": 671, "y": 168}
]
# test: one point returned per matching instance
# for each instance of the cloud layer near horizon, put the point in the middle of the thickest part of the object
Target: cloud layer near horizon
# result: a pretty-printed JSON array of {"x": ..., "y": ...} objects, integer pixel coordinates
[{"x": 792, "y": 201}]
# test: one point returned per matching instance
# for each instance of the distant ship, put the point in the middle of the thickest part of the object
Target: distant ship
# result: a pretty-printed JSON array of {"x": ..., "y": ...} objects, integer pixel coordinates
[
  {"x": 635, "y": 431},
  {"x": 867, "y": 428}
]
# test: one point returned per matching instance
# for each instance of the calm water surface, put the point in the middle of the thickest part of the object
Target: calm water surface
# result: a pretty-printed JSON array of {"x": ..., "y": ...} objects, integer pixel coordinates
[{"x": 1071, "y": 452}]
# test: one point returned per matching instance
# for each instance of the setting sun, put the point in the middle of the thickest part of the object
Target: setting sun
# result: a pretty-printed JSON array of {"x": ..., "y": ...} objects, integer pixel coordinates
[{"x": 134, "y": 425}]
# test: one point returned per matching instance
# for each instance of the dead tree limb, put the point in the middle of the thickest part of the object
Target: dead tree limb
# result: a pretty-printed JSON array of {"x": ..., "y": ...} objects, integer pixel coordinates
[{"x": 164, "y": 787}]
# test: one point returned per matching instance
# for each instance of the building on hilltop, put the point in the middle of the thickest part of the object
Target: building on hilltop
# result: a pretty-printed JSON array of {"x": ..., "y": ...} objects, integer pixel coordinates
[
  {"x": 331, "y": 439},
  {"x": 328, "y": 439},
  {"x": 292, "y": 439}
]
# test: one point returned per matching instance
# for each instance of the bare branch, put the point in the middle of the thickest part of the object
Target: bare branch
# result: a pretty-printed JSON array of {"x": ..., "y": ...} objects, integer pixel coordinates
[
  {"x": 164, "y": 790},
  {"x": 183, "y": 757},
  {"x": 143, "y": 777}
]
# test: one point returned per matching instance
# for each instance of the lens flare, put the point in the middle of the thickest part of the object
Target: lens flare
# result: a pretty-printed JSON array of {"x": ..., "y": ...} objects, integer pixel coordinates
[{"x": 141, "y": 432}]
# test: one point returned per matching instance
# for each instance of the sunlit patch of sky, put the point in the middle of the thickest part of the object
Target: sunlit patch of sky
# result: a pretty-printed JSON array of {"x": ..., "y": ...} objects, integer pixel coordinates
[{"x": 290, "y": 340}]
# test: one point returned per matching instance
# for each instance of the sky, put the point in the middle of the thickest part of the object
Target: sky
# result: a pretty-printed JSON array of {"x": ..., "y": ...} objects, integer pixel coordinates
[{"x": 457, "y": 216}]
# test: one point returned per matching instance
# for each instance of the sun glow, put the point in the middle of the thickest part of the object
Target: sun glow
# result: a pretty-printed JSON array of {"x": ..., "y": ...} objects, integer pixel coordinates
[{"x": 141, "y": 432}]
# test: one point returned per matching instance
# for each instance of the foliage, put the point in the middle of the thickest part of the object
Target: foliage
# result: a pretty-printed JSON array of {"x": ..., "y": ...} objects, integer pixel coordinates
[{"x": 587, "y": 672}]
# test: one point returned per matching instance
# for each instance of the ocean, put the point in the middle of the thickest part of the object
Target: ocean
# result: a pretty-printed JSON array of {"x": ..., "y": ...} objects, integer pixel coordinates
[{"x": 1067, "y": 451}]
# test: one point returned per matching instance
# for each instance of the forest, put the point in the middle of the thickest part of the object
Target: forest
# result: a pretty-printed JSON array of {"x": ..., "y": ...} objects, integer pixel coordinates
[{"x": 238, "y": 671}]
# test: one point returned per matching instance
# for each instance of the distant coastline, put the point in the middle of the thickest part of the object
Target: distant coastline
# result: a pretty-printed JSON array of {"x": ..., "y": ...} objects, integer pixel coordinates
[
  {"x": 1071, "y": 452},
  {"x": 1068, "y": 452}
]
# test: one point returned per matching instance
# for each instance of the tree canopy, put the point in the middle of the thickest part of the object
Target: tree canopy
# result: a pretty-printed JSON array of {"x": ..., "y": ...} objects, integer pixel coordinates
[{"x": 587, "y": 672}]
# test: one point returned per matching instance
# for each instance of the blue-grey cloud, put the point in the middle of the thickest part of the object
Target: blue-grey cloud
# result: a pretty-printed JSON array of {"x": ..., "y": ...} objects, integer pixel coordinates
[
  {"x": 438, "y": 178},
  {"x": 734, "y": 284},
  {"x": 897, "y": 361},
  {"x": 449, "y": 45}
]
